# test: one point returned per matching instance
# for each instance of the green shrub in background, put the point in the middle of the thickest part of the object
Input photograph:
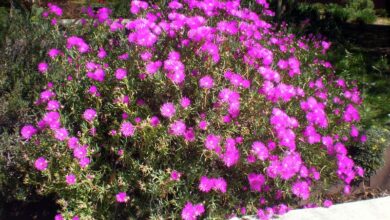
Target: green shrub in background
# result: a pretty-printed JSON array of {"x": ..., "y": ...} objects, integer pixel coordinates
[
  {"x": 24, "y": 39},
  {"x": 370, "y": 154},
  {"x": 361, "y": 11},
  {"x": 371, "y": 72}
]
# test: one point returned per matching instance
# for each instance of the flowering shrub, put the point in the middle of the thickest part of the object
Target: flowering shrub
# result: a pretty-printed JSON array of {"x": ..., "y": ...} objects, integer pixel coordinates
[{"x": 194, "y": 109}]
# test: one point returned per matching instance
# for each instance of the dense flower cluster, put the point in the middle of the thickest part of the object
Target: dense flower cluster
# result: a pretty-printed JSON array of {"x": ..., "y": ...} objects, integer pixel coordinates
[{"x": 193, "y": 102}]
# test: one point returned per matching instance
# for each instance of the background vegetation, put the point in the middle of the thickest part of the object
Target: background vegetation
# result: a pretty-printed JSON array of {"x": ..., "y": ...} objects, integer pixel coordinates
[{"x": 23, "y": 40}]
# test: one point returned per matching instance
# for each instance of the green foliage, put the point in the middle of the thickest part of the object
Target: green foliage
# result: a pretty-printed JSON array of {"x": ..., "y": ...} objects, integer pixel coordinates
[
  {"x": 370, "y": 154},
  {"x": 371, "y": 72},
  {"x": 24, "y": 39}
]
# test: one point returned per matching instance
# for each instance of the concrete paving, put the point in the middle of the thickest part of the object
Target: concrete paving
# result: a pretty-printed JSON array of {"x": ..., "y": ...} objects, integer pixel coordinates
[{"x": 373, "y": 209}]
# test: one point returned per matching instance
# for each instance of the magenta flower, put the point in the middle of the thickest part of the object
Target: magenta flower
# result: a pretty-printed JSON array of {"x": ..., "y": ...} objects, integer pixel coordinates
[
  {"x": 260, "y": 150},
  {"x": 53, "y": 53},
  {"x": 55, "y": 9},
  {"x": 192, "y": 212},
  {"x": 301, "y": 189},
  {"x": 206, "y": 184},
  {"x": 89, "y": 114},
  {"x": 80, "y": 152},
  {"x": 43, "y": 67},
  {"x": 61, "y": 134},
  {"x": 327, "y": 203},
  {"x": 177, "y": 128},
  {"x": 103, "y": 14},
  {"x": 127, "y": 129},
  {"x": 120, "y": 74},
  {"x": 122, "y": 197},
  {"x": 46, "y": 95},
  {"x": 220, "y": 185},
  {"x": 28, "y": 131},
  {"x": 168, "y": 110},
  {"x": 70, "y": 179},
  {"x": 58, "y": 217},
  {"x": 41, "y": 164},
  {"x": 203, "y": 125},
  {"x": 185, "y": 102},
  {"x": 77, "y": 42},
  {"x": 73, "y": 142},
  {"x": 154, "y": 121},
  {"x": 212, "y": 142},
  {"x": 102, "y": 53},
  {"x": 189, "y": 135},
  {"x": 153, "y": 67},
  {"x": 231, "y": 155},
  {"x": 354, "y": 131},
  {"x": 175, "y": 175},
  {"x": 83, "y": 162},
  {"x": 53, "y": 105},
  {"x": 256, "y": 181},
  {"x": 206, "y": 82}
]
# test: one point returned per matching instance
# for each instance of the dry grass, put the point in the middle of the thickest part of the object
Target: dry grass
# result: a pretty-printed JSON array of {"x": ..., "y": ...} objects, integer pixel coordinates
[{"x": 382, "y": 21}]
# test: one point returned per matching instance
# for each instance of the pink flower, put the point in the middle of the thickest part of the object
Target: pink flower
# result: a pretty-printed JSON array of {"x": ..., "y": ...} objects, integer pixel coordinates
[
  {"x": 185, "y": 102},
  {"x": 80, "y": 152},
  {"x": 28, "y": 131},
  {"x": 54, "y": 9},
  {"x": 260, "y": 150},
  {"x": 154, "y": 121},
  {"x": 77, "y": 42},
  {"x": 153, "y": 67},
  {"x": 203, "y": 125},
  {"x": 256, "y": 181},
  {"x": 53, "y": 105},
  {"x": 53, "y": 53},
  {"x": 102, "y": 53},
  {"x": 231, "y": 155},
  {"x": 89, "y": 114},
  {"x": 347, "y": 189},
  {"x": 47, "y": 95},
  {"x": 191, "y": 212},
  {"x": 43, "y": 67},
  {"x": 61, "y": 134},
  {"x": 177, "y": 128},
  {"x": 41, "y": 164},
  {"x": 354, "y": 131},
  {"x": 120, "y": 74},
  {"x": 351, "y": 114},
  {"x": 220, "y": 185},
  {"x": 83, "y": 162},
  {"x": 122, "y": 197},
  {"x": 127, "y": 129},
  {"x": 73, "y": 142},
  {"x": 58, "y": 217},
  {"x": 103, "y": 14},
  {"x": 168, "y": 110},
  {"x": 175, "y": 175},
  {"x": 212, "y": 142},
  {"x": 327, "y": 203},
  {"x": 70, "y": 179},
  {"x": 206, "y": 184},
  {"x": 301, "y": 189},
  {"x": 206, "y": 82}
]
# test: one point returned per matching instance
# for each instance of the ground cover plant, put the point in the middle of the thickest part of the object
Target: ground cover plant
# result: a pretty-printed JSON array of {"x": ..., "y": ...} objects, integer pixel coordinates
[{"x": 192, "y": 109}]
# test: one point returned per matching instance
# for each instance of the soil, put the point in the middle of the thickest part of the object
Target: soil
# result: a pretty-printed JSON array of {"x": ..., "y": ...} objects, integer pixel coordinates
[{"x": 42, "y": 208}]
